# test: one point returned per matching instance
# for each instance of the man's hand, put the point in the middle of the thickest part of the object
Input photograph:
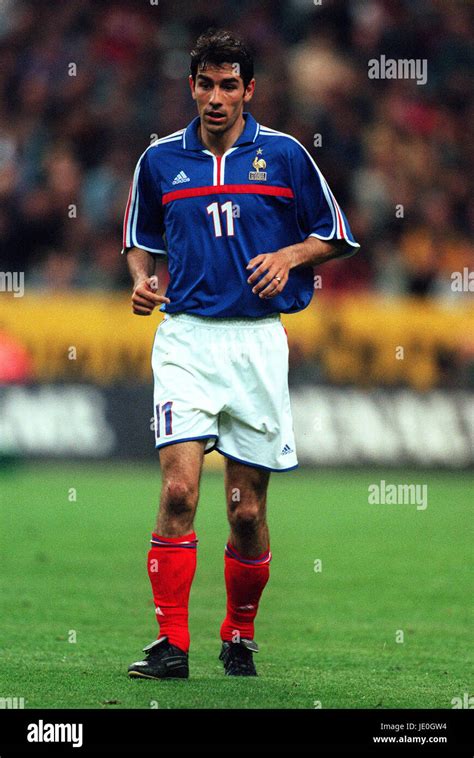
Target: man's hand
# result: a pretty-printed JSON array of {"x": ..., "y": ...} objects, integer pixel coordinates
[
  {"x": 275, "y": 268},
  {"x": 145, "y": 297}
]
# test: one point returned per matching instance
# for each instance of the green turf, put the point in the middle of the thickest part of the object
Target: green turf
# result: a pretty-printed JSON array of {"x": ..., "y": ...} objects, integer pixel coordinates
[{"x": 327, "y": 637}]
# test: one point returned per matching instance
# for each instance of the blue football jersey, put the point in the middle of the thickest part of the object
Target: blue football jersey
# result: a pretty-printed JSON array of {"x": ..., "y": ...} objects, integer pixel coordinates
[{"x": 211, "y": 215}]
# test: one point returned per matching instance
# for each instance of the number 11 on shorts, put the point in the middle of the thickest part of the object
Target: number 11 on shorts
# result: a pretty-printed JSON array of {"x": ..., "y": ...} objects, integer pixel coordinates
[{"x": 164, "y": 414}]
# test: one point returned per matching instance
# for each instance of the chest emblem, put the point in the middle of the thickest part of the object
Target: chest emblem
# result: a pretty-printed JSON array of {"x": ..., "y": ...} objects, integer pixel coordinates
[{"x": 259, "y": 164}]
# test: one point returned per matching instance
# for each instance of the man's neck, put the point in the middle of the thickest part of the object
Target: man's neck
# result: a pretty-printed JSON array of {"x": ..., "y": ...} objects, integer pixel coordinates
[{"x": 218, "y": 144}]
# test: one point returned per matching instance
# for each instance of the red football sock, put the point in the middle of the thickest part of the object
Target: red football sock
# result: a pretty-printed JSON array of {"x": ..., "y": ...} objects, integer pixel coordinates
[
  {"x": 171, "y": 568},
  {"x": 245, "y": 579}
]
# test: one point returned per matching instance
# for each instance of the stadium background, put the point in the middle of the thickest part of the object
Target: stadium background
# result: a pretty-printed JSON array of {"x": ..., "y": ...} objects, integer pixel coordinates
[{"x": 382, "y": 362}]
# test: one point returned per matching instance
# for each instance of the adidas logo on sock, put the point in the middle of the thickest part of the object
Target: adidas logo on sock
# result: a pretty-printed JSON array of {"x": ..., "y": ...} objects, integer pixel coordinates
[
  {"x": 287, "y": 449},
  {"x": 181, "y": 178}
]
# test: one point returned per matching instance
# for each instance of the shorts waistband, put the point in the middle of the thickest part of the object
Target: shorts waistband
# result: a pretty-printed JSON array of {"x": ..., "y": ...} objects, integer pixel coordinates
[{"x": 224, "y": 323}]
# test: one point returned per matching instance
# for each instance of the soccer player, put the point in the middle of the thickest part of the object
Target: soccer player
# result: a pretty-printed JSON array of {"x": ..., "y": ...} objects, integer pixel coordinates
[{"x": 246, "y": 215}]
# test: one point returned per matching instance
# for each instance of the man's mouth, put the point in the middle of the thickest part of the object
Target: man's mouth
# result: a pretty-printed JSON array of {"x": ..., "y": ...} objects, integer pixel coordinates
[{"x": 215, "y": 116}]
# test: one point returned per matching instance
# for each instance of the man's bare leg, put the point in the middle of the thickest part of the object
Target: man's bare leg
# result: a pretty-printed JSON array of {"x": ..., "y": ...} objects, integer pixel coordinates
[
  {"x": 181, "y": 467},
  {"x": 246, "y": 495}
]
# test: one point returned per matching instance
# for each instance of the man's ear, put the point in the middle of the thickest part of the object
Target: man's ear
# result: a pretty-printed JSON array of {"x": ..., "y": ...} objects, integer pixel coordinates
[
  {"x": 192, "y": 86},
  {"x": 249, "y": 90}
]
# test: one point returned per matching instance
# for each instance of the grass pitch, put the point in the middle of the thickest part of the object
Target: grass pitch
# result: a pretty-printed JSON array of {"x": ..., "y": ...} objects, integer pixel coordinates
[{"x": 383, "y": 624}]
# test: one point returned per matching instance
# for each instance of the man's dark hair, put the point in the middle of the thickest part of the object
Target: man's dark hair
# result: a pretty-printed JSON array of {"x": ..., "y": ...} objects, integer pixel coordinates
[{"x": 218, "y": 46}]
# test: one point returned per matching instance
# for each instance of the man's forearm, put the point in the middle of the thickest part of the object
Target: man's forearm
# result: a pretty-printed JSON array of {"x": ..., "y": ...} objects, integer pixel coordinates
[
  {"x": 313, "y": 251},
  {"x": 141, "y": 264}
]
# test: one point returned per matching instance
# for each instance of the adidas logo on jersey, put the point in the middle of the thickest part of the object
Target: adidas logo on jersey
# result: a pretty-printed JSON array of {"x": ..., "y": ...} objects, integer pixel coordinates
[
  {"x": 287, "y": 449},
  {"x": 181, "y": 178}
]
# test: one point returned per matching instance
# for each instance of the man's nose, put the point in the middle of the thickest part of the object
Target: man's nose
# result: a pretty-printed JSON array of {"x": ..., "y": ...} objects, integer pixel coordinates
[{"x": 215, "y": 96}]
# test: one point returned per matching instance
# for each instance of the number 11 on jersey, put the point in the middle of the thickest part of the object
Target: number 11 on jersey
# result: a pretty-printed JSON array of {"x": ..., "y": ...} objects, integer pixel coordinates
[{"x": 227, "y": 210}]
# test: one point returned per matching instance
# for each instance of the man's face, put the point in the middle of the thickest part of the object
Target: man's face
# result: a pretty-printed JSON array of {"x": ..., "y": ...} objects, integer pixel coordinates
[{"x": 220, "y": 96}]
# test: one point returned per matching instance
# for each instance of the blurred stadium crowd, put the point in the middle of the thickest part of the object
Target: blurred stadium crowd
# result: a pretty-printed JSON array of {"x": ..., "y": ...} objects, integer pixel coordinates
[{"x": 396, "y": 153}]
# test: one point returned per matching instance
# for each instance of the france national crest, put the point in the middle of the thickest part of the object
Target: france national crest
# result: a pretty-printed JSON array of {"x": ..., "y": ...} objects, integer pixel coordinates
[{"x": 259, "y": 164}]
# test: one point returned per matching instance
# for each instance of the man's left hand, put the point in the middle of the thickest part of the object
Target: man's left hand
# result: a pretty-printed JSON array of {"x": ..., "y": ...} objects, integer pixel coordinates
[{"x": 274, "y": 269}]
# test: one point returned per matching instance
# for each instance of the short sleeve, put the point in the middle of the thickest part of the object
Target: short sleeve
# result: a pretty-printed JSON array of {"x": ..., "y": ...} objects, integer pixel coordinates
[
  {"x": 143, "y": 221},
  {"x": 319, "y": 214}
]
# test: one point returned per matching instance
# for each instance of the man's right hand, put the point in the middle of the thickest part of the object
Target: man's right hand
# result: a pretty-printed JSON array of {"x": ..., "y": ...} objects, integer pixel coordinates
[{"x": 145, "y": 297}]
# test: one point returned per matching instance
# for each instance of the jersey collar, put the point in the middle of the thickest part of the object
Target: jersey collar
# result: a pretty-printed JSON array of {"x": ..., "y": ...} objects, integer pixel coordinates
[{"x": 191, "y": 140}]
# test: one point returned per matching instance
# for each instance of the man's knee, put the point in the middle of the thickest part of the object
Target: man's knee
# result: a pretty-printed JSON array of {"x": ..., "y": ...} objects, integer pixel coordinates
[
  {"x": 246, "y": 518},
  {"x": 179, "y": 497}
]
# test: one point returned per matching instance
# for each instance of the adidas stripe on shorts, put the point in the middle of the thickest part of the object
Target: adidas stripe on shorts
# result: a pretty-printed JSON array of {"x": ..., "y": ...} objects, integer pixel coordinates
[{"x": 225, "y": 381}]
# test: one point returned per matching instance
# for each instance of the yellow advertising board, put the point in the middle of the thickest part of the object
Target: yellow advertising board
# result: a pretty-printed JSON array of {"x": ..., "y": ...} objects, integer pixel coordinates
[{"x": 364, "y": 340}]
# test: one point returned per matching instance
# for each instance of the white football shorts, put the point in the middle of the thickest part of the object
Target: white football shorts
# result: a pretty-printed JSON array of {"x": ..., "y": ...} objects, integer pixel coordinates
[{"x": 225, "y": 381}]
